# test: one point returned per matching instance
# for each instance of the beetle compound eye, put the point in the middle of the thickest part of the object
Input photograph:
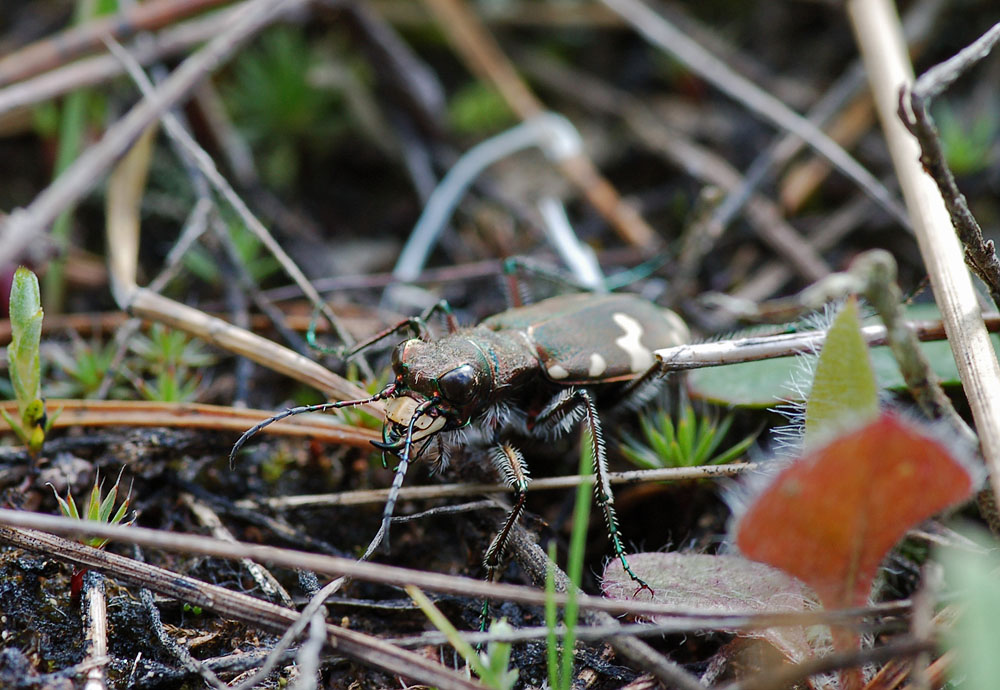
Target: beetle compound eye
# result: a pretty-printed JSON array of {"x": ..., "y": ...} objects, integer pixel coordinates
[
  {"x": 399, "y": 357},
  {"x": 458, "y": 385}
]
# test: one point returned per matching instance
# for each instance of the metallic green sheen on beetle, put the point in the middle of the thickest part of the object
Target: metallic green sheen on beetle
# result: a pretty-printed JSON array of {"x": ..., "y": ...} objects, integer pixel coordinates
[
  {"x": 535, "y": 370},
  {"x": 522, "y": 353}
]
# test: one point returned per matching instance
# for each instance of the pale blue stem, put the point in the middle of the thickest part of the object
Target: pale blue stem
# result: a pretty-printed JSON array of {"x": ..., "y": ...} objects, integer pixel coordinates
[
  {"x": 577, "y": 256},
  {"x": 553, "y": 134}
]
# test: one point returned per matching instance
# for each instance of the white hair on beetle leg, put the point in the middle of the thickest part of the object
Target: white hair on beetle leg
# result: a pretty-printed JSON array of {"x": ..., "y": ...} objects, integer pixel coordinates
[
  {"x": 509, "y": 463},
  {"x": 500, "y": 415},
  {"x": 558, "y": 417},
  {"x": 643, "y": 395},
  {"x": 443, "y": 446}
]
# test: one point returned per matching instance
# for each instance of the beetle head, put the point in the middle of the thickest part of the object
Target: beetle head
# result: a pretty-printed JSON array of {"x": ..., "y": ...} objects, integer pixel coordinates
[{"x": 448, "y": 380}]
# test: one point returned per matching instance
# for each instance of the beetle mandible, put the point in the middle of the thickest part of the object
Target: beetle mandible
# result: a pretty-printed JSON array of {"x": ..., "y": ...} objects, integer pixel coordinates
[{"x": 535, "y": 370}]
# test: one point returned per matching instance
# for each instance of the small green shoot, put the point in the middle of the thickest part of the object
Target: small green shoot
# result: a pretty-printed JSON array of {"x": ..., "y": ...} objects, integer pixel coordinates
[
  {"x": 24, "y": 363},
  {"x": 689, "y": 442},
  {"x": 278, "y": 108},
  {"x": 172, "y": 360},
  {"x": 169, "y": 348},
  {"x": 259, "y": 263},
  {"x": 477, "y": 109},
  {"x": 493, "y": 666},
  {"x": 968, "y": 145},
  {"x": 84, "y": 367},
  {"x": 99, "y": 508}
]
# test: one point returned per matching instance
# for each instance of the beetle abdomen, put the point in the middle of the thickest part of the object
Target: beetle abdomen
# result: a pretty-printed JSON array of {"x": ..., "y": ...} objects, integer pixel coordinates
[{"x": 587, "y": 338}]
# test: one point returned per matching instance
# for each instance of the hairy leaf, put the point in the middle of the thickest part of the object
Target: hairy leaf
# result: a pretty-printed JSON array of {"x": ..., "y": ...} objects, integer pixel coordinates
[{"x": 844, "y": 391}]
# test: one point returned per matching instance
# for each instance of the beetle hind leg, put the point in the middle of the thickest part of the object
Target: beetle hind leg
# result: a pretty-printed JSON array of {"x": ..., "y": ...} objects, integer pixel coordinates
[
  {"x": 639, "y": 392},
  {"x": 572, "y": 405}
]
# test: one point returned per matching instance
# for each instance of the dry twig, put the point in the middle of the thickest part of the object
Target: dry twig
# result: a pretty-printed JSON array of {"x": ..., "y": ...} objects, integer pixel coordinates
[
  {"x": 878, "y": 32},
  {"x": 980, "y": 253}
]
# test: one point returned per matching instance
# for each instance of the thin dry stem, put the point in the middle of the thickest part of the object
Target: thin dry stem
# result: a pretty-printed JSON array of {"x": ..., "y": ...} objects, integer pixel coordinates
[
  {"x": 96, "y": 624},
  {"x": 878, "y": 32},
  {"x": 268, "y": 584},
  {"x": 661, "y": 33},
  {"x": 414, "y": 493},
  {"x": 17, "y": 521},
  {"x": 79, "y": 40},
  {"x": 95, "y": 70},
  {"x": 141, "y": 413}
]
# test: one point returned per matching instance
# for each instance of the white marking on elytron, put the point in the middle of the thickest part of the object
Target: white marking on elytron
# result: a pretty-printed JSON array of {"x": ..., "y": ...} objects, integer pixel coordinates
[
  {"x": 642, "y": 358},
  {"x": 597, "y": 366},
  {"x": 557, "y": 372}
]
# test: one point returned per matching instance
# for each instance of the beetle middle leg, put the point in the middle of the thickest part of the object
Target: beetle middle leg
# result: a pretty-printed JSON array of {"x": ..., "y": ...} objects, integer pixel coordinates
[
  {"x": 567, "y": 408},
  {"x": 417, "y": 326}
]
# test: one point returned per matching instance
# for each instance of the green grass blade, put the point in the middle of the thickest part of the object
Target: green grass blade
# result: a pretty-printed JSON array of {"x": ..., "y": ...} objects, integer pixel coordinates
[{"x": 551, "y": 619}]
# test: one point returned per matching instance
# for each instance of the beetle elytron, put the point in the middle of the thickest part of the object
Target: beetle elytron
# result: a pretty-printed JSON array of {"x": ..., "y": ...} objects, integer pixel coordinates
[{"x": 535, "y": 370}]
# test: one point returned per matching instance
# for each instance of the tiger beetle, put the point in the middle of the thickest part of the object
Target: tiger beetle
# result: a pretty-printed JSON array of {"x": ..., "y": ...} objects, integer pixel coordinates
[{"x": 532, "y": 370}]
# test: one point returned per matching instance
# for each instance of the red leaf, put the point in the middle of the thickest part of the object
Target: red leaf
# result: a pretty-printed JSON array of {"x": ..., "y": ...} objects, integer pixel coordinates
[{"x": 830, "y": 518}]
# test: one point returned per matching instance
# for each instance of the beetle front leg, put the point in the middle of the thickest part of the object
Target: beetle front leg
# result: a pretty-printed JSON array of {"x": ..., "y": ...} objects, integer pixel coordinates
[
  {"x": 444, "y": 308},
  {"x": 415, "y": 324},
  {"x": 568, "y": 408}
]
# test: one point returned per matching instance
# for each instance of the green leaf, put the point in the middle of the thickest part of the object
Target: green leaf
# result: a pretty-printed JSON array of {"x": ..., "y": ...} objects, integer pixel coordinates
[
  {"x": 94, "y": 504},
  {"x": 844, "y": 392},
  {"x": 68, "y": 506},
  {"x": 748, "y": 384},
  {"x": 973, "y": 637},
  {"x": 657, "y": 440},
  {"x": 108, "y": 504},
  {"x": 15, "y": 427},
  {"x": 26, "y": 332},
  {"x": 769, "y": 381},
  {"x": 706, "y": 440},
  {"x": 685, "y": 434}
]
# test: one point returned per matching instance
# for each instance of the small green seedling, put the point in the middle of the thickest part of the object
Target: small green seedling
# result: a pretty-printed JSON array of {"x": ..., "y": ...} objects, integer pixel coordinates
[
  {"x": 24, "y": 363},
  {"x": 98, "y": 509},
  {"x": 689, "y": 442},
  {"x": 493, "y": 666},
  {"x": 968, "y": 138},
  {"x": 84, "y": 368},
  {"x": 172, "y": 360},
  {"x": 257, "y": 261}
]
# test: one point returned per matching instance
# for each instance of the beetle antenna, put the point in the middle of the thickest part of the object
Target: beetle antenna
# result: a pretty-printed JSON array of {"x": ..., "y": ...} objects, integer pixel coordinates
[
  {"x": 322, "y": 407},
  {"x": 397, "y": 480}
]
